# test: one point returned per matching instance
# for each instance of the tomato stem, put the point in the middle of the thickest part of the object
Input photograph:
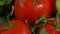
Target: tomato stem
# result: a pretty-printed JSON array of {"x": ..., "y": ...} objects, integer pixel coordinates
[
  {"x": 33, "y": 32},
  {"x": 28, "y": 24},
  {"x": 8, "y": 22},
  {"x": 32, "y": 28},
  {"x": 7, "y": 18},
  {"x": 57, "y": 20}
]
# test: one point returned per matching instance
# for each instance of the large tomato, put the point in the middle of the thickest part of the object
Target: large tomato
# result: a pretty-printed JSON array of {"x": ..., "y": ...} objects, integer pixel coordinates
[
  {"x": 50, "y": 28},
  {"x": 31, "y": 9},
  {"x": 18, "y": 28}
]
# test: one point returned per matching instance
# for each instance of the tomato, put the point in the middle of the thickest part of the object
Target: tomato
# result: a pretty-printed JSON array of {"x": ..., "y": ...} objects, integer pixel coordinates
[
  {"x": 31, "y": 10},
  {"x": 52, "y": 32},
  {"x": 18, "y": 28},
  {"x": 58, "y": 31},
  {"x": 50, "y": 29},
  {"x": 53, "y": 7}
]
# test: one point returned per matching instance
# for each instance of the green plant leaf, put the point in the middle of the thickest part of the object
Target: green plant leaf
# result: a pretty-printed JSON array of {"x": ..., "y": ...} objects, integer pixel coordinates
[
  {"x": 43, "y": 31},
  {"x": 3, "y": 2},
  {"x": 43, "y": 18},
  {"x": 9, "y": 1},
  {"x": 58, "y": 5}
]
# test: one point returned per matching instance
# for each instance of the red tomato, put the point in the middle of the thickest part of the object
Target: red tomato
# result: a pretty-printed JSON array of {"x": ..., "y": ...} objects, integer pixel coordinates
[
  {"x": 49, "y": 27},
  {"x": 18, "y": 28},
  {"x": 53, "y": 7},
  {"x": 31, "y": 10},
  {"x": 52, "y": 32},
  {"x": 58, "y": 31}
]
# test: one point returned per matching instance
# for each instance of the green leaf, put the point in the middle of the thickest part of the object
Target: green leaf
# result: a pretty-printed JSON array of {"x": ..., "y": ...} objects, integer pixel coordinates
[
  {"x": 43, "y": 18},
  {"x": 58, "y": 5},
  {"x": 37, "y": 21},
  {"x": 3, "y": 2},
  {"x": 43, "y": 31},
  {"x": 9, "y": 1}
]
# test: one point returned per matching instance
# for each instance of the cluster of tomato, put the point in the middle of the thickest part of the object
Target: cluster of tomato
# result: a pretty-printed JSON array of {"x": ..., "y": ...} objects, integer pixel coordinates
[{"x": 32, "y": 17}]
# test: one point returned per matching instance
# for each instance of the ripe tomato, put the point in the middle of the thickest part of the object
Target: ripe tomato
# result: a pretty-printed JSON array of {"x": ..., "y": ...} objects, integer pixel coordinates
[
  {"x": 53, "y": 7},
  {"x": 18, "y": 28},
  {"x": 53, "y": 32},
  {"x": 50, "y": 28},
  {"x": 31, "y": 10},
  {"x": 58, "y": 31}
]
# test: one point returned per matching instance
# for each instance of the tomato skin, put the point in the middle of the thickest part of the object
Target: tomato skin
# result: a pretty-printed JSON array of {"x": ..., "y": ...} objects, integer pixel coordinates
[
  {"x": 53, "y": 7},
  {"x": 25, "y": 10},
  {"x": 52, "y": 32},
  {"x": 18, "y": 28},
  {"x": 49, "y": 27},
  {"x": 58, "y": 31}
]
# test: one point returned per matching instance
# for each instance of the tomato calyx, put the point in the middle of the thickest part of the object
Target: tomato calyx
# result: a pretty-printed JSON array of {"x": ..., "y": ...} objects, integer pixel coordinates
[
  {"x": 36, "y": 25},
  {"x": 50, "y": 26},
  {"x": 42, "y": 19}
]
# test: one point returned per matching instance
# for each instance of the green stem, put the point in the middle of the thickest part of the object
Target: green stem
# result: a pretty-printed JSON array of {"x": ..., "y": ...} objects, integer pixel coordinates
[
  {"x": 57, "y": 20},
  {"x": 33, "y": 30},
  {"x": 8, "y": 16},
  {"x": 8, "y": 22}
]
